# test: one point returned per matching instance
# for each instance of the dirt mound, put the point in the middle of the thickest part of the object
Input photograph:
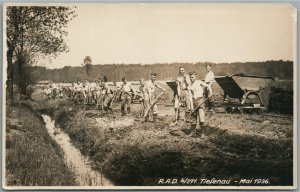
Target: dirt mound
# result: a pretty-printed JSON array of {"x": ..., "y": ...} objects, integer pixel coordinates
[{"x": 117, "y": 123}]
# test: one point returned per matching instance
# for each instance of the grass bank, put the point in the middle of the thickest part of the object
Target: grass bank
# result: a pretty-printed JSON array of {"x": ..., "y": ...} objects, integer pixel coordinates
[{"x": 32, "y": 157}]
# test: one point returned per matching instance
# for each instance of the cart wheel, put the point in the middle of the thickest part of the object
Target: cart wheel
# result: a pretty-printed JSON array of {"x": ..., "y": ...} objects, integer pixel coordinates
[
  {"x": 242, "y": 111},
  {"x": 237, "y": 110},
  {"x": 257, "y": 111},
  {"x": 246, "y": 110},
  {"x": 228, "y": 110}
]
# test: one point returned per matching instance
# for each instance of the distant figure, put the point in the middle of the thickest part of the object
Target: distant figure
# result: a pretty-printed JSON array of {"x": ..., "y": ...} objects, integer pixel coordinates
[
  {"x": 209, "y": 79},
  {"x": 54, "y": 90},
  {"x": 87, "y": 84},
  {"x": 86, "y": 89},
  {"x": 60, "y": 89},
  {"x": 108, "y": 95},
  {"x": 78, "y": 92},
  {"x": 47, "y": 91},
  {"x": 97, "y": 92},
  {"x": 78, "y": 86}
]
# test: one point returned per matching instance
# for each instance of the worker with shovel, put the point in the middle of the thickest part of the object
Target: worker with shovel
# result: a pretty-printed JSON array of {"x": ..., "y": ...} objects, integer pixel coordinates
[
  {"x": 144, "y": 94},
  {"x": 198, "y": 101},
  {"x": 126, "y": 89},
  {"x": 150, "y": 100},
  {"x": 198, "y": 107},
  {"x": 183, "y": 94},
  {"x": 107, "y": 95}
]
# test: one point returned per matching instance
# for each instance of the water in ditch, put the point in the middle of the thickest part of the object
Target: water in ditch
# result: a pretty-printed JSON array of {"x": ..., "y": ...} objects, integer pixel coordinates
[{"x": 85, "y": 175}]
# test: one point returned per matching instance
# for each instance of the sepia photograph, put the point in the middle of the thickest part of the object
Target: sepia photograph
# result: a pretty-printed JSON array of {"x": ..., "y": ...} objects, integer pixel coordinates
[{"x": 149, "y": 96}]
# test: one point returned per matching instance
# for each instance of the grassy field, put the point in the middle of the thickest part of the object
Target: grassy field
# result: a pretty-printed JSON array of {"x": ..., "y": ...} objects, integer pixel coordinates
[{"x": 32, "y": 157}]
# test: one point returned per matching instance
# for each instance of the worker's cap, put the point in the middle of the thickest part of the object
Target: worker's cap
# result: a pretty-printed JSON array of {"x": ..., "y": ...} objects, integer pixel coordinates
[{"x": 154, "y": 74}]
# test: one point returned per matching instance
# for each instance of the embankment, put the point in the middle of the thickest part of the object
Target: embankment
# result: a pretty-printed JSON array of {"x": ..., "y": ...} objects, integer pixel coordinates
[{"x": 32, "y": 157}]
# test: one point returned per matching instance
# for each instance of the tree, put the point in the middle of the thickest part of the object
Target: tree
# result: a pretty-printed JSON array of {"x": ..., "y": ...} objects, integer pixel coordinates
[
  {"x": 87, "y": 61},
  {"x": 23, "y": 60},
  {"x": 33, "y": 31}
]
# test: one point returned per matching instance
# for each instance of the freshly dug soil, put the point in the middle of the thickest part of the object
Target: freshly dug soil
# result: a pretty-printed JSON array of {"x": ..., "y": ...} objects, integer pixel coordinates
[{"x": 232, "y": 146}]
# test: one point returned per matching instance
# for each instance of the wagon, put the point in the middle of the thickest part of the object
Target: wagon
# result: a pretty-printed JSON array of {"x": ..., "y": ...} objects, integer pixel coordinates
[
  {"x": 245, "y": 92},
  {"x": 173, "y": 86}
]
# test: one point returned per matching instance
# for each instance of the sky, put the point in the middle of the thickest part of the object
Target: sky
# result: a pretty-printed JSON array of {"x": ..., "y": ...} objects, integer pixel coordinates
[{"x": 167, "y": 33}]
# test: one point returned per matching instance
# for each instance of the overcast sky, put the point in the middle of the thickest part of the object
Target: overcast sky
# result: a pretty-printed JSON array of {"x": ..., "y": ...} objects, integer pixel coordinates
[{"x": 166, "y": 33}]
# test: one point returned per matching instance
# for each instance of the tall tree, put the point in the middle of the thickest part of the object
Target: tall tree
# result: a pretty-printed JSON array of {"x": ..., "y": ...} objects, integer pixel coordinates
[{"x": 33, "y": 31}]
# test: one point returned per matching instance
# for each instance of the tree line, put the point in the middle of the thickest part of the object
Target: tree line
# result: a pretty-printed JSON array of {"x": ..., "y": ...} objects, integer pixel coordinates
[{"x": 133, "y": 72}]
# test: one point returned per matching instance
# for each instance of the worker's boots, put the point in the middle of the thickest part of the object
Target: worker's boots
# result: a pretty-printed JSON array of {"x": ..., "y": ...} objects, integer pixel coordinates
[{"x": 198, "y": 131}]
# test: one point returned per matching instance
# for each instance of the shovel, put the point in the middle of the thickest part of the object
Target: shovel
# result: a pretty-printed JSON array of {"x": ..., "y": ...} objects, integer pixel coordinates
[
  {"x": 151, "y": 106},
  {"x": 193, "y": 111}
]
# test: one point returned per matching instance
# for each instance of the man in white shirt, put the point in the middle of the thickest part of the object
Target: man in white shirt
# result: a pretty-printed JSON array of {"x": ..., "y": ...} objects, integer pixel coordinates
[
  {"x": 126, "y": 88},
  {"x": 86, "y": 87},
  {"x": 78, "y": 92},
  {"x": 78, "y": 86},
  {"x": 197, "y": 94},
  {"x": 54, "y": 90},
  {"x": 108, "y": 95},
  {"x": 209, "y": 79},
  {"x": 97, "y": 92},
  {"x": 60, "y": 89},
  {"x": 47, "y": 93},
  {"x": 86, "y": 84},
  {"x": 183, "y": 93},
  {"x": 150, "y": 96}
]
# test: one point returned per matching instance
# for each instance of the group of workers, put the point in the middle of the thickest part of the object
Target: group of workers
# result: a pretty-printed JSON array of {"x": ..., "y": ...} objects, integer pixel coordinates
[
  {"x": 195, "y": 94},
  {"x": 191, "y": 92},
  {"x": 54, "y": 91}
]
